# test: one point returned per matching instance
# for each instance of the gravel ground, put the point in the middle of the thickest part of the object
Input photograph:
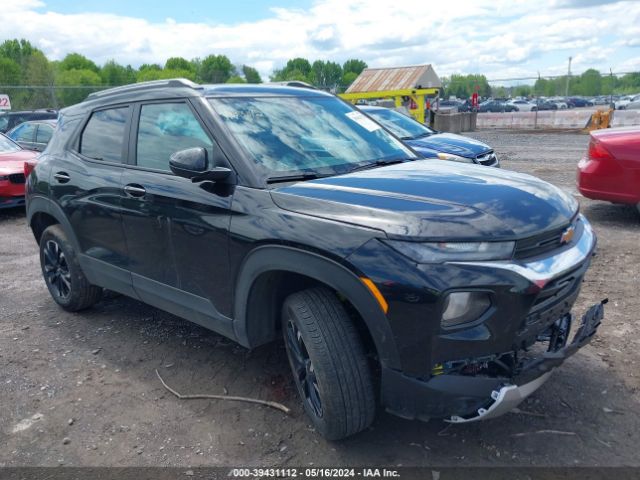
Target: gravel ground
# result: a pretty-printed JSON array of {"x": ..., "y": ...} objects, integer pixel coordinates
[{"x": 81, "y": 389}]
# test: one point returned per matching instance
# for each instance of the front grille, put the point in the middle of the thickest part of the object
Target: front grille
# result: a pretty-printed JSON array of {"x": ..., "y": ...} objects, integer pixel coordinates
[
  {"x": 553, "y": 302},
  {"x": 16, "y": 178},
  {"x": 488, "y": 158},
  {"x": 546, "y": 242},
  {"x": 557, "y": 290}
]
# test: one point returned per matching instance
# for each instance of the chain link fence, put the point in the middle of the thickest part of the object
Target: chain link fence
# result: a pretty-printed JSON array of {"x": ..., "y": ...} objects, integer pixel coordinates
[
  {"x": 587, "y": 84},
  {"x": 34, "y": 97}
]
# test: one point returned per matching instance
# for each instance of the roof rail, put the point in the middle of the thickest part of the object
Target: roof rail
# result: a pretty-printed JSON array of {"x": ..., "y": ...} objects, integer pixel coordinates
[
  {"x": 171, "y": 83},
  {"x": 293, "y": 83}
]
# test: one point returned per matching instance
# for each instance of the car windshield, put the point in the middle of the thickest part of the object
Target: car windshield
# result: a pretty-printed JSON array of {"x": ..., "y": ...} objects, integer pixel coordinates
[
  {"x": 400, "y": 125},
  {"x": 320, "y": 135},
  {"x": 7, "y": 145}
]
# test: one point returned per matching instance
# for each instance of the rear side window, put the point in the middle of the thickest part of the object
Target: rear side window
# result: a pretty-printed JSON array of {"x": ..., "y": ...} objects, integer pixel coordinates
[
  {"x": 103, "y": 137},
  {"x": 43, "y": 135},
  {"x": 165, "y": 129}
]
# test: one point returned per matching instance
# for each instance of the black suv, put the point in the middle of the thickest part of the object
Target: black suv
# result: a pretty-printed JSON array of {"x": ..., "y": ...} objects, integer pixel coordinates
[
  {"x": 10, "y": 120},
  {"x": 263, "y": 212}
]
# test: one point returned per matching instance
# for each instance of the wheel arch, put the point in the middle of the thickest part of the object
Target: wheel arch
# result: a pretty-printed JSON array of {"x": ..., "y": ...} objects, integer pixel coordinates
[
  {"x": 270, "y": 273},
  {"x": 42, "y": 212}
]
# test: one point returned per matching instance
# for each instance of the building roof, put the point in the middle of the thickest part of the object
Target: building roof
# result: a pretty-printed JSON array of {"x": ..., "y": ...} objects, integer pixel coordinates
[{"x": 396, "y": 78}]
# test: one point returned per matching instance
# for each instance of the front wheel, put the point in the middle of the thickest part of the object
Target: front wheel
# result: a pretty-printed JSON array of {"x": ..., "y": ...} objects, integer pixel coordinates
[
  {"x": 328, "y": 361},
  {"x": 62, "y": 273}
]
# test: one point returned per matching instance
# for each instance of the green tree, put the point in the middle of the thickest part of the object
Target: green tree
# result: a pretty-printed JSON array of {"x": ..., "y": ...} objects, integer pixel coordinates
[
  {"x": 251, "y": 75},
  {"x": 149, "y": 66},
  {"x": 17, "y": 50},
  {"x": 80, "y": 78},
  {"x": 590, "y": 83},
  {"x": 216, "y": 69},
  {"x": 295, "y": 69},
  {"x": 75, "y": 61},
  {"x": 37, "y": 71},
  {"x": 347, "y": 79},
  {"x": 521, "y": 91},
  {"x": 236, "y": 79},
  {"x": 114, "y": 74},
  {"x": 178, "y": 63},
  {"x": 499, "y": 92},
  {"x": 10, "y": 73},
  {"x": 325, "y": 74},
  {"x": 153, "y": 74},
  {"x": 354, "y": 66}
]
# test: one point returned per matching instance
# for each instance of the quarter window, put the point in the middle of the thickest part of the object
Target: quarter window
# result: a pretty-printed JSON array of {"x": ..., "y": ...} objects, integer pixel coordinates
[
  {"x": 103, "y": 137},
  {"x": 165, "y": 129}
]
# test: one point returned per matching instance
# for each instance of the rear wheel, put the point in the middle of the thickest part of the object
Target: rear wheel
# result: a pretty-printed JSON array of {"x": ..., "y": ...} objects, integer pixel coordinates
[
  {"x": 328, "y": 361},
  {"x": 62, "y": 273}
]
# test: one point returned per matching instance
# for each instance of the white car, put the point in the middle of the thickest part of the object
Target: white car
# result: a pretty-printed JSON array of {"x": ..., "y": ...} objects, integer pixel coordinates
[
  {"x": 634, "y": 103},
  {"x": 562, "y": 105},
  {"x": 523, "y": 105},
  {"x": 622, "y": 102}
]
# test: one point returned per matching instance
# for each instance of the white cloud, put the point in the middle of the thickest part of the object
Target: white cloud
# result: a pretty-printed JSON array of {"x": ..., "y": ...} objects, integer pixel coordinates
[{"x": 495, "y": 37}]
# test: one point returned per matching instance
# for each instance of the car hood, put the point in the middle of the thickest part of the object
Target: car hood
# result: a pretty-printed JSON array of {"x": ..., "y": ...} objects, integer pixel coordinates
[
  {"x": 433, "y": 199},
  {"x": 450, "y": 143},
  {"x": 14, "y": 162}
]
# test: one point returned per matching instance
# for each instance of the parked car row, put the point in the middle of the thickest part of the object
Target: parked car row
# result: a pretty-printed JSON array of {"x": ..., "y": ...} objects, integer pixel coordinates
[{"x": 417, "y": 285}]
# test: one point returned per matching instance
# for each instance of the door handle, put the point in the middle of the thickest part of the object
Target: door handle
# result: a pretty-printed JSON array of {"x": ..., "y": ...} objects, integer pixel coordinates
[
  {"x": 62, "y": 177},
  {"x": 134, "y": 190}
]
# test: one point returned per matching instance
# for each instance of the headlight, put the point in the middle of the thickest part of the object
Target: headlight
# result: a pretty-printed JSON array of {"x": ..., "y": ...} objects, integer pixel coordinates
[
  {"x": 438, "y": 252},
  {"x": 464, "y": 307},
  {"x": 454, "y": 158},
  {"x": 4, "y": 177}
]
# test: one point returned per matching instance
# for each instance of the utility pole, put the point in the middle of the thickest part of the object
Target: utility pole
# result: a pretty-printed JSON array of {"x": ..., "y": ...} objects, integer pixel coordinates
[
  {"x": 611, "y": 93},
  {"x": 566, "y": 91}
]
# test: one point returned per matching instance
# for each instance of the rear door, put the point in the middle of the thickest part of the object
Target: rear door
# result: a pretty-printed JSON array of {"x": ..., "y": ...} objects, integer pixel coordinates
[
  {"x": 85, "y": 182},
  {"x": 176, "y": 230}
]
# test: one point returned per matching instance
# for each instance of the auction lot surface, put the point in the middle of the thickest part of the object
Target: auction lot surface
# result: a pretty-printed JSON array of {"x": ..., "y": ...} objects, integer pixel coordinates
[{"x": 81, "y": 389}]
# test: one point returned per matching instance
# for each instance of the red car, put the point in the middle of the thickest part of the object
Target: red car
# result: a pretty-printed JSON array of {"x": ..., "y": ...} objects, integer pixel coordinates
[
  {"x": 611, "y": 169},
  {"x": 12, "y": 168}
]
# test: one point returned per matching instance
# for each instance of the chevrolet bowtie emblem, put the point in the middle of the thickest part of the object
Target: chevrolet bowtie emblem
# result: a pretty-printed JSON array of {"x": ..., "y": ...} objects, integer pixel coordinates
[{"x": 567, "y": 235}]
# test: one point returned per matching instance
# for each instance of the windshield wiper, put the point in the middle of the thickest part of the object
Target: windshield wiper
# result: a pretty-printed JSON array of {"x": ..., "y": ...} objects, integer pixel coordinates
[
  {"x": 379, "y": 163},
  {"x": 297, "y": 177}
]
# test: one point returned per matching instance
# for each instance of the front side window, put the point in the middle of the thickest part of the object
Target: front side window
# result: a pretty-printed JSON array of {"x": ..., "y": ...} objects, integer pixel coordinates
[
  {"x": 103, "y": 137},
  {"x": 322, "y": 135},
  {"x": 400, "y": 125},
  {"x": 165, "y": 129}
]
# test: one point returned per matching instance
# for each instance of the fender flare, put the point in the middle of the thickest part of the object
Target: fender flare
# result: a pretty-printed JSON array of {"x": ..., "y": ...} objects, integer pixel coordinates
[
  {"x": 272, "y": 258},
  {"x": 39, "y": 204}
]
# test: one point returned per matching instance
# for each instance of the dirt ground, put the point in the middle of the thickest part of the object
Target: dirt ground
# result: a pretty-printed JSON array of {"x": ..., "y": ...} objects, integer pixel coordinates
[{"x": 81, "y": 389}]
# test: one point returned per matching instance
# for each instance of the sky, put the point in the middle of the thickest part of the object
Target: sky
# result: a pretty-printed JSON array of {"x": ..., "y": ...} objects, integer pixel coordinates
[{"x": 498, "y": 38}]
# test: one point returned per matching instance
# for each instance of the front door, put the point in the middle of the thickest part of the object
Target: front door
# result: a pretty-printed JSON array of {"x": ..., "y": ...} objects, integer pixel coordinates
[{"x": 176, "y": 230}]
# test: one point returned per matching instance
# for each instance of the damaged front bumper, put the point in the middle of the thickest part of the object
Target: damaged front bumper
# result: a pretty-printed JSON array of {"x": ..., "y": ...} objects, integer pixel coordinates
[{"x": 463, "y": 399}]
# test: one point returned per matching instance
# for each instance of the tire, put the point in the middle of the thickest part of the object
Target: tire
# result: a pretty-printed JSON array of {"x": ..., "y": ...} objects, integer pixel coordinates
[
  {"x": 62, "y": 273},
  {"x": 328, "y": 362}
]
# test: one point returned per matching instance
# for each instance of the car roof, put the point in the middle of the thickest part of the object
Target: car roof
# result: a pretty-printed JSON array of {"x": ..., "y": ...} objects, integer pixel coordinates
[{"x": 183, "y": 88}]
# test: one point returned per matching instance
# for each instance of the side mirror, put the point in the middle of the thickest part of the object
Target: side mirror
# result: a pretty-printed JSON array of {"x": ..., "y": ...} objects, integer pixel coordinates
[
  {"x": 193, "y": 162},
  {"x": 189, "y": 162}
]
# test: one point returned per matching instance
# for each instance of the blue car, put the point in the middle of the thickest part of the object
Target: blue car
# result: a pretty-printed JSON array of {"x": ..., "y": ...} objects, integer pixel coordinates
[{"x": 429, "y": 142}]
